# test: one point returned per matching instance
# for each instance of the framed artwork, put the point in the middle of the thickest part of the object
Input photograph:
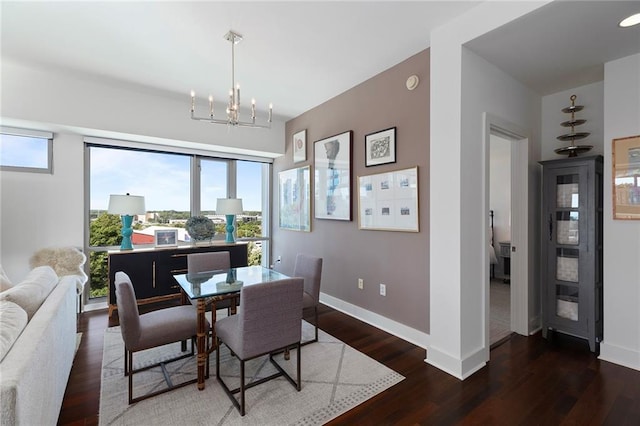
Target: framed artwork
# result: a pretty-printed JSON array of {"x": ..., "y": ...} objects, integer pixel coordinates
[
  {"x": 166, "y": 237},
  {"x": 300, "y": 146},
  {"x": 626, "y": 178},
  {"x": 389, "y": 201},
  {"x": 332, "y": 191},
  {"x": 380, "y": 147},
  {"x": 294, "y": 199}
]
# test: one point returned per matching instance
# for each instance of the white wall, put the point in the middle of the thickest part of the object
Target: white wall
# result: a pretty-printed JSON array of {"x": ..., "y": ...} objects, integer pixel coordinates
[
  {"x": 53, "y": 100},
  {"x": 591, "y": 97},
  {"x": 39, "y": 210},
  {"x": 621, "y": 237},
  {"x": 487, "y": 89},
  {"x": 457, "y": 219}
]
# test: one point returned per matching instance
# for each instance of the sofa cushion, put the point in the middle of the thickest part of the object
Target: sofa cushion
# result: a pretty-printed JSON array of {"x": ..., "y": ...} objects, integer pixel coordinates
[
  {"x": 13, "y": 319},
  {"x": 33, "y": 290},
  {"x": 5, "y": 283}
]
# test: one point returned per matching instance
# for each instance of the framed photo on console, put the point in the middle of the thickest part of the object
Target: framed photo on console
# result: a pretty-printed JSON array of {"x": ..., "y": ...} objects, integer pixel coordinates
[
  {"x": 166, "y": 237},
  {"x": 332, "y": 193}
]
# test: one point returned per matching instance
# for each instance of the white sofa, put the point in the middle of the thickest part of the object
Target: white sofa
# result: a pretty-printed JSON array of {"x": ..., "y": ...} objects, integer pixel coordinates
[{"x": 35, "y": 370}]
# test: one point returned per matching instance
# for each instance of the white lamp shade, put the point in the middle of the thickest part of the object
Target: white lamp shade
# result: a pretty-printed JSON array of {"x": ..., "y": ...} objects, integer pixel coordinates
[
  {"x": 229, "y": 206},
  {"x": 126, "y": 204}
]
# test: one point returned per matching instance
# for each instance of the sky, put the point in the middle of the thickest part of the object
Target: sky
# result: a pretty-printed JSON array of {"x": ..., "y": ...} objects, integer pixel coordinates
[
  {"x": 23, "y": 151},
  {"x": 163, "y": 179}
]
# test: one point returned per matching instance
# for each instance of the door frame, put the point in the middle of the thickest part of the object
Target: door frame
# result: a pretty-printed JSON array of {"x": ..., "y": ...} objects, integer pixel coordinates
[{"x": 520, "y": 282}]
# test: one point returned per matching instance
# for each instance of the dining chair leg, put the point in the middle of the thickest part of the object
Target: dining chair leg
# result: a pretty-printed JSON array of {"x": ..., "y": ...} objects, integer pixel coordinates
[
  {"x": 315, "y": 339},
  {"x": 316, "y": 312},
  {"x": 242, "y": 389},
  {"x": 130, "y": 377}
]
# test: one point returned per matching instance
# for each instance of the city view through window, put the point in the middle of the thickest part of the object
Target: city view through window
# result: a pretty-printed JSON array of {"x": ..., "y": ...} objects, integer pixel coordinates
[{"x": 165, "y": 182}]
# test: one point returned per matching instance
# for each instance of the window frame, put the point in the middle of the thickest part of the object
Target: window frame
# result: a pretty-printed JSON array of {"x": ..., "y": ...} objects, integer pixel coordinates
[
  {"x": 36, "y": 134},
  {"x": 196, "y": 156}
]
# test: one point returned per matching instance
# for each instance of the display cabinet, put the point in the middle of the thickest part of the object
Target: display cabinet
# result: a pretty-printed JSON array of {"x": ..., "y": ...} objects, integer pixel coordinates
[
  {"x": 572, "y": 248},
  {"x": 151, "y": 270}
]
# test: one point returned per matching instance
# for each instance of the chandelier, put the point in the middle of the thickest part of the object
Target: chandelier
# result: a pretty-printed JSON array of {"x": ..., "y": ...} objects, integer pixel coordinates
[{"x": 233, "y": 106}]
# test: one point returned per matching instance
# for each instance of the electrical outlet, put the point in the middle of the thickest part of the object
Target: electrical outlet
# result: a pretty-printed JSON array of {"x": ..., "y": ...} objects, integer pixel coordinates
[
  {"x": 360, "y": 283},
  {"x": 383, "y": 290}
]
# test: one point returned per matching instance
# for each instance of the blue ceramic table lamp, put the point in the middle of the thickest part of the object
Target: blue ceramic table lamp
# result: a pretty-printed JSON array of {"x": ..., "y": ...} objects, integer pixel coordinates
[
  {"x": 126, "y": 206},
  {"x": 229, "y": 207}
]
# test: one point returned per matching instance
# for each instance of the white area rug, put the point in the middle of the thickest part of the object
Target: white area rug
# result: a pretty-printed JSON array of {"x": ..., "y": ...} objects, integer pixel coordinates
[{"x": 335, "y": 378}]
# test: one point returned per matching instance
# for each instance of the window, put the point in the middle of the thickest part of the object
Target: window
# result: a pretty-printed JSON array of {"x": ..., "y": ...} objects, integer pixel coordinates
[
  {"x": 26, "y": 150},
  {"x": 213, "y": 184},
  {"x": 249, "y": 225},
  {"x": 175, "y": 186}
]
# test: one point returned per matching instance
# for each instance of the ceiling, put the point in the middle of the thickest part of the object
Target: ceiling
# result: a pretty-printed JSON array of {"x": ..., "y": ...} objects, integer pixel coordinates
[
  {"x": 298, "y": 54},
  {"x": 563, "y": 44}
]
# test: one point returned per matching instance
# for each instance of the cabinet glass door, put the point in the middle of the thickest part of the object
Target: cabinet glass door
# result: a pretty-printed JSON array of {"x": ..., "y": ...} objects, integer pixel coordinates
[{"x": 566, "y": 218}]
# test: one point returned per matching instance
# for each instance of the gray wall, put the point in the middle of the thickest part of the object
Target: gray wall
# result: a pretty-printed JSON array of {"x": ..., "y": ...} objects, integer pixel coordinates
[{"x": 398, "y": 259}]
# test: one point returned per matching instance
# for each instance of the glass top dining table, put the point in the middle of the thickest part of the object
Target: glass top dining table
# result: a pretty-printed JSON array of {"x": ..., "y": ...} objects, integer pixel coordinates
[
  {"x": 224, "y": 282},
  {"x": 211, "y": 286}
]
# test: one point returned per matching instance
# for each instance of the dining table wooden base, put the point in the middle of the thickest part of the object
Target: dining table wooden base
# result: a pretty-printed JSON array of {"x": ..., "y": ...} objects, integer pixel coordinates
[
  {"x": 202, "y": 288},
  {"x": 201, "y": 336}
]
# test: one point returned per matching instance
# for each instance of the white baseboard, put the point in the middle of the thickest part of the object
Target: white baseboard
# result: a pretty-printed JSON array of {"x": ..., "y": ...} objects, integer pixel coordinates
[
  {"x": 619, "y": 355},
  {"x": 88, "y": 307},
  {"x": 402, "y": 331},
  {"x": 459, "y": 368}
]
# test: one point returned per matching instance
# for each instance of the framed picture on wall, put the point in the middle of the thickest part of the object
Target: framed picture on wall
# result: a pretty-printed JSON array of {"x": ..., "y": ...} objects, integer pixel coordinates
[
  {"x": 389, "y": 201},
  {"x": 300, "y": 146},
  {"x": 332, "y": 179},
  {"x": 294, "y": 199},
  {"x": 626, "y": 178},
  {"x": 380, "y": 147},
  {"x": 166, "y": 237}
]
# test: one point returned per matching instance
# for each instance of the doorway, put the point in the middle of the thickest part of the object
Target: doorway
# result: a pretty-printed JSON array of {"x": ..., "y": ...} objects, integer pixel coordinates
[
  {"x": 513, "y": 254},
  {"x": 500, "y": 238}
]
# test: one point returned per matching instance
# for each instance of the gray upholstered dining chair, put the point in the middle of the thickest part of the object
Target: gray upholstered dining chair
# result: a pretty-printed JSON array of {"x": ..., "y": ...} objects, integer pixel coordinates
[
  {"x": 268, "y": 322},
  {"x": 208, "y": 261},
  {"x": 156, "y": 328},
  {"x": 211, "y": 261},
  {"x": 310, "y": 268}
]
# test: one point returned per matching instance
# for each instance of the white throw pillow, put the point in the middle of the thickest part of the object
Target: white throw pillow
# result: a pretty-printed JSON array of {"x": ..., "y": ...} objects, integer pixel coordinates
[
  {"x": 33, "y": 290},
  {"x": 5, "y": 282},
  {"x": 13, "y": 319}
]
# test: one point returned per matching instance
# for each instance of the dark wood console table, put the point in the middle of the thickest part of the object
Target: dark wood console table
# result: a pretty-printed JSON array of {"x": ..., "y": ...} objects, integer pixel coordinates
[{"x": 151, "y": 270}]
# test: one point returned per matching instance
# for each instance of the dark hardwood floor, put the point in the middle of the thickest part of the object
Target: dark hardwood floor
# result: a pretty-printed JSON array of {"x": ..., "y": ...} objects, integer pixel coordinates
[{"x": 529, "y": 381}]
